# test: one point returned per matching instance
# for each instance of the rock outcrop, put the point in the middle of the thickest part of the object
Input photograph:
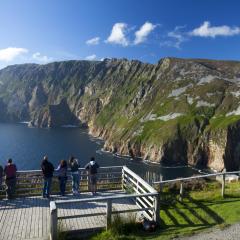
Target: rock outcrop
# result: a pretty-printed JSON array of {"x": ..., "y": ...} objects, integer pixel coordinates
[
  {"x": 54, "y": 116},
  {"x": 176, "y": 111}
]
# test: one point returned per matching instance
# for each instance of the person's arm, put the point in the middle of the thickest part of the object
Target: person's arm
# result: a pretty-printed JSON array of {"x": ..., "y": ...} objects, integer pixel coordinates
[
  {"x": 87, "y": 166},
  {"x": 58, "y": 168}
]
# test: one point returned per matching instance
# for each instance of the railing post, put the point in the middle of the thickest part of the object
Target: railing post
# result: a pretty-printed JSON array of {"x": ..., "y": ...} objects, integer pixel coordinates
[
  {"x": 123, "y": 174},
  {"x": 108, "y": 214},
  {"x": 181, "y": 191},
  {"x": 223, "y": 184},
  {"x": 53, "y": 221},
  {"x": 157, "y": 208}
]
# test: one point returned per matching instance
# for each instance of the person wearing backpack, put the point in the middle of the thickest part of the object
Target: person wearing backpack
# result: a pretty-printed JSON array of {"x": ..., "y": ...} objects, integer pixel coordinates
[
  {"x": 92, "y": 168},
  {"x": 74, "y": 167},
  {"x": 47, "y": 170},
  {"x": 10, "y": 171}
]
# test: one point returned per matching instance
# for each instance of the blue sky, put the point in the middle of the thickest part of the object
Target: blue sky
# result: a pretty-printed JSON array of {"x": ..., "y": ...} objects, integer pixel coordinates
[{"x": 42, "y": 31}]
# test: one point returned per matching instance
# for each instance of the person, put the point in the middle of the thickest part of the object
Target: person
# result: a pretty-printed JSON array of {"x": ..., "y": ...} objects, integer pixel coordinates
[
  {"x": 62, "y": 176},
  {"x": 10, "y": 172},
  {"x": 1, "y": 176},
  {"x": 92, "y": 167},
  {"x": 47, "y": 170},
  {"x": 74, "y": 166}
]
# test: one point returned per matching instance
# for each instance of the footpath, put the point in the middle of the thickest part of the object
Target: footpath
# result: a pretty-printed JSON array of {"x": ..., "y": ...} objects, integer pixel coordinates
[{"x": 231, "y": 232}]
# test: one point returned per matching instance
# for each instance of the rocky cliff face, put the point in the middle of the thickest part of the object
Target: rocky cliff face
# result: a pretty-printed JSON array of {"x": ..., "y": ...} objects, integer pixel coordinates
[{"x": 175, "y": 111}]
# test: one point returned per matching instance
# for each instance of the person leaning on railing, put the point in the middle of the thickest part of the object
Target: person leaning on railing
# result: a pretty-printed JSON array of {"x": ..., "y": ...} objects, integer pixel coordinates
[
  {"x": 62, "y": 176},
  {"x": 74, "y": 168},
  {"x": 47, "y": 170},
  {"x": 10, "y": 171},
  {"x": 92, "y": 168}
]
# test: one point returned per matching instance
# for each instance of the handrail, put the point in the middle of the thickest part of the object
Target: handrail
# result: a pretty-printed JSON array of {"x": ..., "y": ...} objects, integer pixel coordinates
[
  {"x": 97, "y": 199},
  {"x": 81, "y": 169},
  {"x": 139, "y": 179},
  {"x": 196, "y": 177}
]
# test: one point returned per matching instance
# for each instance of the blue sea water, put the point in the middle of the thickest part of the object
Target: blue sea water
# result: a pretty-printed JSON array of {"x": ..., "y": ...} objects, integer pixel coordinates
[{"x": 27, "y": 146}]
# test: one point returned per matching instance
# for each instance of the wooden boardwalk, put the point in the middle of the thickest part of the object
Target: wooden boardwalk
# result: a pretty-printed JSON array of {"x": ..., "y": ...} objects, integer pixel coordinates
[{"x": 29, "y": 217}]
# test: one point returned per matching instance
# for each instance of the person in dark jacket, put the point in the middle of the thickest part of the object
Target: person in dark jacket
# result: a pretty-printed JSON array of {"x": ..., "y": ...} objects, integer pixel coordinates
[
  {"x": 74, "y": 167},
  {"x": 92, "y": 168},
  {"x": 1, "y": 176},
  {"x": 10, "y": 171},
  {"x": 62, "y": 176},
  {"x": 47, "y": 170}
]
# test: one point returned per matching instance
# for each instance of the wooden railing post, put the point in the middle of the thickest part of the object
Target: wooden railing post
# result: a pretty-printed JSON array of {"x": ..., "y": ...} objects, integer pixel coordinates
[
  {"x": 223, "y": 184},
  {"x": 157, "y": 208},
  {"x": 181, "y": 191},
  {"x": 53, "y": 221},
  {"x": 108, "y": 214}
]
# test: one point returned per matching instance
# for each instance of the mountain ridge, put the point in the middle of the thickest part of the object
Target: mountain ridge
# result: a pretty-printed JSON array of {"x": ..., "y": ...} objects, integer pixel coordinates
[{"x": 175, "y": 111}]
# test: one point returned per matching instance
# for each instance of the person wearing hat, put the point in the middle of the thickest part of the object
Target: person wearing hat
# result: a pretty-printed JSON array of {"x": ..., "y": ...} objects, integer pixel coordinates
[{"x": 47, "y": 170}]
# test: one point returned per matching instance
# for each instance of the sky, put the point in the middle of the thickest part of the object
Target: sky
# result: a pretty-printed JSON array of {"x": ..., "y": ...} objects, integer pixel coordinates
[{"x": 43, "y": 31}]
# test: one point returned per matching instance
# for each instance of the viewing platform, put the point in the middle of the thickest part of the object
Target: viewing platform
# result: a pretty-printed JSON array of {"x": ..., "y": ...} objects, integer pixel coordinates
[{"x": 29, "y": 216}]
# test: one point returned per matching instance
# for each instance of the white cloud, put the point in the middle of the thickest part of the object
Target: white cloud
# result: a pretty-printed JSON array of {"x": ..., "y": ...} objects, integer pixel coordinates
[
  {"x": 206, "y": 30},
  {"x": 143, "y": 32},
  {"x": 117, "y": 35},
  {"x": 93, "y": 41},
  {"x": 91, "y": 57},
  {"x": 178, "y": 36},
  {"x": 175, "y": 37},
  {"x": 10, "y": 53},
  {"x": 41, "y": 58}
]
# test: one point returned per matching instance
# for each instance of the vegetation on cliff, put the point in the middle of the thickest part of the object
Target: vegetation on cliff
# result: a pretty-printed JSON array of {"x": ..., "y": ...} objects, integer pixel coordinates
[{"x": 175, "y": 111}]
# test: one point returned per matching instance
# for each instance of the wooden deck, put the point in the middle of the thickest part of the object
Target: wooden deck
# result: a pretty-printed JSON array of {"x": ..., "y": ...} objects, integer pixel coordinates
[{"x": 29, "y": 217}]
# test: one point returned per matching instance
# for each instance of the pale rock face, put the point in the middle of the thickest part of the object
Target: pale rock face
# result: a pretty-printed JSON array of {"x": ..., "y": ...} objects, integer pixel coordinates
[
  {"x": 177, "y": 92},
  {"x": 235, "y": 112},
  {"x": 206, "y": 79},
  {"x": 235, "y": 94},
  {"x": 204, "y": 104},
  {"x": 170, "y": 116},
  {"x": 216, "y": 154}
]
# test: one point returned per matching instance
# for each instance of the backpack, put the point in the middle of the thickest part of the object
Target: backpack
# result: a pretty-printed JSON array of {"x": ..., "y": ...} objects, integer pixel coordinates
[
  {"x": 93, "y": 168},
  {"x": 10, "y": 171}
]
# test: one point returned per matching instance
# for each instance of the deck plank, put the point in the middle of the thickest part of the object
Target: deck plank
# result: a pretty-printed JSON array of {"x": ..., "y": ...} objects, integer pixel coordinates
[{"x": 28, "y": 218}]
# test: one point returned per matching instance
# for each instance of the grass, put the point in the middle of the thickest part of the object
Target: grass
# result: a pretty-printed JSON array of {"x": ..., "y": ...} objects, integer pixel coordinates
[{"x": 200, "y": 210}]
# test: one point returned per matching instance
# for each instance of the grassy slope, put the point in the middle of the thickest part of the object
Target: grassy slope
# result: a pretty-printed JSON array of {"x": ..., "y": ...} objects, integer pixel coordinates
[{"x": 199, "y": 211}]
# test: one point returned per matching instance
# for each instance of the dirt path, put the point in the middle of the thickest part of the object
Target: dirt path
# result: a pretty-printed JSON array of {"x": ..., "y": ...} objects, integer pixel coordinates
[{"x": 229, "y": 233}]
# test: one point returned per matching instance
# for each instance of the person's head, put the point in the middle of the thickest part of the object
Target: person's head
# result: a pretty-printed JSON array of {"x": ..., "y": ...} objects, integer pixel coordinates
[
  {"x": 9, "y": 161},
  {"x": 92, "y": 160},
  {"x": 71, "y": 159},
  {"x": 63, "y": 163},
  {"x": 45, "y": 158}
]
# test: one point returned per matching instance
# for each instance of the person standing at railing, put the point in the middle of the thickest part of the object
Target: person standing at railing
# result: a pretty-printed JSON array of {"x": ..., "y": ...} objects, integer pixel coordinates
[
  {"x": 74, "y": 167},
  {"x": 62, "y": 176},
  {"x": 1, "y": 176},
  {"x": 47, "y": 170},
  {"x": 10, "y": 171},
  {"x": 92, "y": 168}
]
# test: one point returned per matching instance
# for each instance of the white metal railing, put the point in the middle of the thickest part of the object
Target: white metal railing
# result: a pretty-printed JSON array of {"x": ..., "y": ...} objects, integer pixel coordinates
[
  {"x": 182, "y": 180},
  {"x": 145, "y": 196},
  {"x": 135, "y": 184},
  {"x": 30, "y": 182}
]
